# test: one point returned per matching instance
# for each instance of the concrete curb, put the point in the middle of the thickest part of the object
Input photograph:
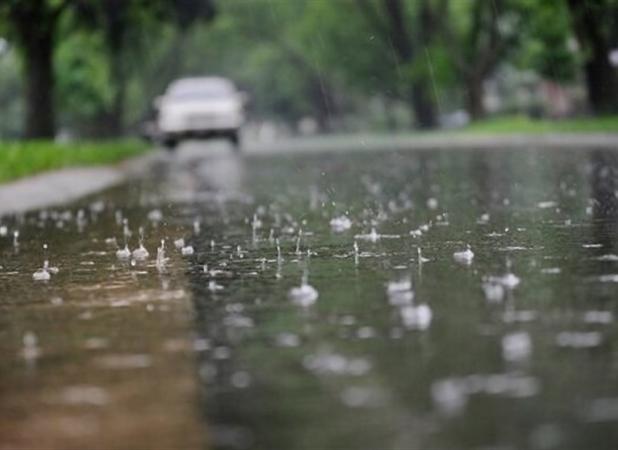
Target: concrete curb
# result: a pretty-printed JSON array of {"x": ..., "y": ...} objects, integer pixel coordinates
[{"x": 65, "y": 185}]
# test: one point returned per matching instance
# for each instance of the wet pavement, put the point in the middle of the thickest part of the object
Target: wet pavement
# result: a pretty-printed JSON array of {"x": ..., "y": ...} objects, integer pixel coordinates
[{"x": 321, "y": 300}]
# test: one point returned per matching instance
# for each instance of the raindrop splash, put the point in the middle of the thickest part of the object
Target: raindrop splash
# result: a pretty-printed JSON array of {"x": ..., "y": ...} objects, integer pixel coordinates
[
  {"x": 304, "y": 295},
  {"x": 464, "y": 257}
]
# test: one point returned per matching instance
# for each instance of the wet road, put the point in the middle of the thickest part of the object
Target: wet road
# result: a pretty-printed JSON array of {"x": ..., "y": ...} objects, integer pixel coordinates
[{"x": 398, "y": 337}]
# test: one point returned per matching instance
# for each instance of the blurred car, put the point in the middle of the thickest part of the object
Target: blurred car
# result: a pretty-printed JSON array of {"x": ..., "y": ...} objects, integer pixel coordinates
[{"x": 201, "y": 107}]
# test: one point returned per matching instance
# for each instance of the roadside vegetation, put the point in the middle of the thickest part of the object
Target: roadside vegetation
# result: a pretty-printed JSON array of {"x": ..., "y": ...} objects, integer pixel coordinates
[
  {"x": 92, "y": 69},
  {"x": 527, "y": 125},
  {"x": 21, "y": 158}
]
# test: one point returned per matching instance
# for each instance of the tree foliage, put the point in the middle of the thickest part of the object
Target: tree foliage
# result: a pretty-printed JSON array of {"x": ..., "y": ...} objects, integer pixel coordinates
[{"x": 93, "y": 68}]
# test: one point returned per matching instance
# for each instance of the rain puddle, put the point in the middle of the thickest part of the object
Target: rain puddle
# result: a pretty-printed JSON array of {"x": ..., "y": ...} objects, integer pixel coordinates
[{"x": 355, "y": 301}]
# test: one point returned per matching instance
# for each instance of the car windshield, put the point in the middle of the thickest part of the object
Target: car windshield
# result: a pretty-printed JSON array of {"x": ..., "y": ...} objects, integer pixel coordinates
[{"x": 200, "y": 90}]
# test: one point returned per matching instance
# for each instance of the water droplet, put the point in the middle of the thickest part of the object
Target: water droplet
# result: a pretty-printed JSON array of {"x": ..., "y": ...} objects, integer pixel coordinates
[
  {"x": 421, "y": 259},
  {"x": 287, "y": 340},
  {"x": 123, "y": 253},
  {"x": 304, "y": 295},
  {"x": 464, "y": 257},
  {"x": 341, "y": 223},
  {"x": 31, "y": 348},
  {"x": 41, "y": 275},
  {"x": 416, "y": 317},
  {"x": 155, "y": 215},
  {"x": 494, "y": 292},
  {"x": 140, "y": 253},
  {"x": 240, "y": 380},
  {"x": 516, "y": 346},
  {"x": 214, "y": 287},
  {"x": 579, "y": 339}
]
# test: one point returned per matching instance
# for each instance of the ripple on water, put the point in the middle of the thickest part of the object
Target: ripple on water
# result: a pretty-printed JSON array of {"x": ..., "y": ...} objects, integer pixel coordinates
[
  {"x": 600, "y": 317},
  {"x": 304, "y": 295},
  {"x": 516, "y": 346},
  {"x": 494, "y": 292},
  {"x": 87, "y": 395},
  {"x": 362, "y": 396},
  {"x": 374, "y": 236},
  {"x": 329, "y": 363},
  {"x": 287, "y": 340},
  {"x": 340, "y": 223},
  {"x": 124, "y": 361},
  {"x": 579, "y": 339},
  {"x": 513, "y": 316},
  {"x": 607, "y": 278},
  {"x": 187, "y": 250},
  {"x": 608, "y": 257},
  {"x": 416, "y": 317},
  {"x": 602, "y": 410},
  {"x": 451, "y": 395},
  {"x": 464, "y": 257}
]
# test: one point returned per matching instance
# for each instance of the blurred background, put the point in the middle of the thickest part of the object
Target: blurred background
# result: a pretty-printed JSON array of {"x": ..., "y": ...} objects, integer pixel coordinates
[{"x": 84, "y": 69}]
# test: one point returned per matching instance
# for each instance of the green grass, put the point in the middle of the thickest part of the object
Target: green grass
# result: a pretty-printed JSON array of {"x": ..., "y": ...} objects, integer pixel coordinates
[
  {"x": 21, "y": 158},
  {"x": 523, "y": 124}
]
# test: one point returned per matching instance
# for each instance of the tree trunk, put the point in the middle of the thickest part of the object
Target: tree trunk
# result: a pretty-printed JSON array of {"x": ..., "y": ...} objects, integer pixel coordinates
[
  {"x": 421, "y": 98},
  {"x": 115, "y": 126},
  {"x": 38, "y": 48},
  {"x": 323, "y": 101},
  {"x": 423, "y": 106},
  {"x": 601, "y": 80},
  {"x": 474, "y": 97},
  {"x": 601, "y": 84},
  {"x": 424, "y": 101},
  {"x": 116, "y": 20}
]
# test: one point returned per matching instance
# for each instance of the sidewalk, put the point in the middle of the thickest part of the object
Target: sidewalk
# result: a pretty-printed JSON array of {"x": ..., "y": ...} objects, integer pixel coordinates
[{"x": 65, "y": 185}]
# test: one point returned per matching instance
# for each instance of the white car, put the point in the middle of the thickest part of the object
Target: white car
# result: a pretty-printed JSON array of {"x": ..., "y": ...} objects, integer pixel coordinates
[{"x": 201, "y": 107}]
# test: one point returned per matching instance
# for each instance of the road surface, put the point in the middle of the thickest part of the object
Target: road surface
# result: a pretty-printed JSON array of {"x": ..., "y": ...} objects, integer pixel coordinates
[{"x": 403, "y": 299}]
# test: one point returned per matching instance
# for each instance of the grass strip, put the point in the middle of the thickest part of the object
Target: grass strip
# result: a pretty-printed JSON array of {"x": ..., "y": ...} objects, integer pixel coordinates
[{"x": 22, "y": 158}]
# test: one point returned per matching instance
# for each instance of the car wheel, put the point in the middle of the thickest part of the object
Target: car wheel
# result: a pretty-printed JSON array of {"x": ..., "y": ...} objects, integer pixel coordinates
[
  {"x": 234, "y": 138},
  {"x": 170, "y": 143}
]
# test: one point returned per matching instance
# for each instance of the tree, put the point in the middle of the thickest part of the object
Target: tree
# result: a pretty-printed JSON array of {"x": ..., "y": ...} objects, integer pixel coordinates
[
  {"x": 593, "y": 22},
  {"x": 480, "y": 35},
  {"x": 262, "y": 43},
  {"x": 10, "y": 87},
  {"x": 408, "y": 33},
  {"x": 33, "y": 24},
  {"x": 182, "y": 16},
  {"x": 115, "y": 18},
  {"x": 546, "y": 45},
  {"x": 123, "y": 25}
]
